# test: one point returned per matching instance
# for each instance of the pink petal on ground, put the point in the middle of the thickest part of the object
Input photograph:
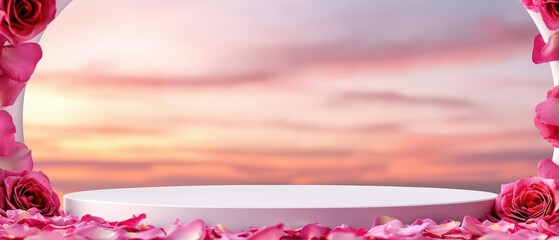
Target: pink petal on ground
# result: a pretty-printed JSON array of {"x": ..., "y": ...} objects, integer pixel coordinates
[
  {"x": 21, "y": 231},
  {"x": 344, "y": 234},
  {"x": 268, "y": 233},
  {"x": 154, "y": 233},
  {"x": 442, "y": 229},
  {"x": 132, "y": 222},
  {"x": 18, "y": 160},
  {"x": 94, "y": 231},
  {"x": 194, "y": 230},
  {"x": 381, "y": 220},
  {"x": 46, "y": 236},
  {"x": 9, "y": 90},
  {"x": 19, "y": 62},
  {"x": 313, "y": 230},
  {"x": 90, "y": 218},
  {"x": 473, "y": 226}
]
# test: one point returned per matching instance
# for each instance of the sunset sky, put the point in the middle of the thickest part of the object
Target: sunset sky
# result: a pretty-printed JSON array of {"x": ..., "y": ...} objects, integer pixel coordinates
[{"x": 424, "y": 93}]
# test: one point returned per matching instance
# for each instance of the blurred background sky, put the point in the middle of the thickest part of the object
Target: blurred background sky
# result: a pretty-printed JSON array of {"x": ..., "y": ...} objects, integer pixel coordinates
[{"x": 422, "y": 93}]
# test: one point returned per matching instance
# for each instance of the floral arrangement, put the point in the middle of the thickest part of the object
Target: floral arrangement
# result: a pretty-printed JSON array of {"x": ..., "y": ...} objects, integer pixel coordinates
[{"x": 29, "y": 208}]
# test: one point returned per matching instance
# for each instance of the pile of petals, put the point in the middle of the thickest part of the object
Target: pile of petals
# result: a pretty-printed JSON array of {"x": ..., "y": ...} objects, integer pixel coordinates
[{"x": 30, "y": 224}]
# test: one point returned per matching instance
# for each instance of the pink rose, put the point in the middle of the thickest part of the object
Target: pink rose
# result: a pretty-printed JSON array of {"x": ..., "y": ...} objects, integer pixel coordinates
[
  {"x": 547, "y": 117},
  {"x": 549, "y": 10},
  {"x": 25, "y": 19},
  {"x": 528, "y": 200},
  {"x": 533, "y": 200},
  {"x": 27, "y": 190}
]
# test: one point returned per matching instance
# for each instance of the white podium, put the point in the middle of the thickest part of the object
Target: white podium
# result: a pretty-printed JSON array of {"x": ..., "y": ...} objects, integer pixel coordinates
[{"x": 239, "y": 207}]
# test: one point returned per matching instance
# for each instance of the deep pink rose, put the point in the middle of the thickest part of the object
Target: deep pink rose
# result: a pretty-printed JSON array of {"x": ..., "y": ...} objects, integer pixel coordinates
[
  {"x": 26, "y": 190},
  {"x": 547, "y": 117},
  {"x": 549, "y": 10},
  {"x": 529, "y": 200},
  {"x": 25, "y": 19}
]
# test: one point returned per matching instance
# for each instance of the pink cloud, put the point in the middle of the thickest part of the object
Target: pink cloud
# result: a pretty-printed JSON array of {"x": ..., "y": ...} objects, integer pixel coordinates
[{"x": 397, "y": 98}]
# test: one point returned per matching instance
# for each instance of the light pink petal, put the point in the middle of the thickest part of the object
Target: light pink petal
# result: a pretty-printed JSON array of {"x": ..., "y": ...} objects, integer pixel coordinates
[
  {"x": 90, "y": 218},
  {"x": 500, "y": 236},
  {"x": 313, "y": 230},
  {"x": 344, "y": 234},
  {"x": 19, "y": 159},
  {"x": 413, "y": 230},
  {"x": 9, "y": 90},
  {"x": 473, "y": 226},
  {"x": 442, "y": 229},
  {"x": 7, "y": 133},
  {"x": 194, "y": 230},
  {"x": 94, "y": 231},
  {"x": 132, "y": 222},
  {"x": 501, "y": 226},
  {"x": 387, "y": 230},
  {"x": 46, "y": 235},
  {"x": 19, "y": 62},
  {"x": 154, "y": 233},
  {"x": 268, "y": 233},
  {"x": 21, "y": 231},
  {"x": 381, "y": 220}
]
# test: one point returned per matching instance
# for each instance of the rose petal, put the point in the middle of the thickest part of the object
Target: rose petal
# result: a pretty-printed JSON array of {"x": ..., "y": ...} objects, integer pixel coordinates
[
  {"x": 313, "y": 231},
  {"x": 550, "y": 22},
  {"x": 19, "y": 160},
  {"x": 9, "y": 91},
  {"x": 7, "y": 133},
  {"x": 539, "y": 44},
  {"x": 531, "y": 5},
  {"x": 193, "y": 230},
  {"x": 546, "y": 52},
  {"x": 344, "y": 234},
  {"x": 93, "y": 231},
  {"x": 268, "y": 233},
  {"x": 19, "y": 62},
  {"x": 548, "y": 169}
]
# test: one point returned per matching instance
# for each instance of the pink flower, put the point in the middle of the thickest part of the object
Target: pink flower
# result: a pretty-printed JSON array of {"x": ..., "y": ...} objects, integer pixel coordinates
[
  {"x": 547, "y": 117},
  {"x": 14, "y": 156},
  {"x": 528, "y": 200},
  {"x": 17, "y": 63},
  {"x": 549, "y": 10},
  {"x": 26, "y": 190},
  {"x": 22, "y": 20}
]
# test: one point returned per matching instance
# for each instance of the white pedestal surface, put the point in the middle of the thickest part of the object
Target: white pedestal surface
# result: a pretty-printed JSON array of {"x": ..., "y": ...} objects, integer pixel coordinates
[{"x": 238, "y": 207}]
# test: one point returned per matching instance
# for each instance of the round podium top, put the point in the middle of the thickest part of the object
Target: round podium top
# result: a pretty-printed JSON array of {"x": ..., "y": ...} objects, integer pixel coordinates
[{"x": 281, "y": 196}]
